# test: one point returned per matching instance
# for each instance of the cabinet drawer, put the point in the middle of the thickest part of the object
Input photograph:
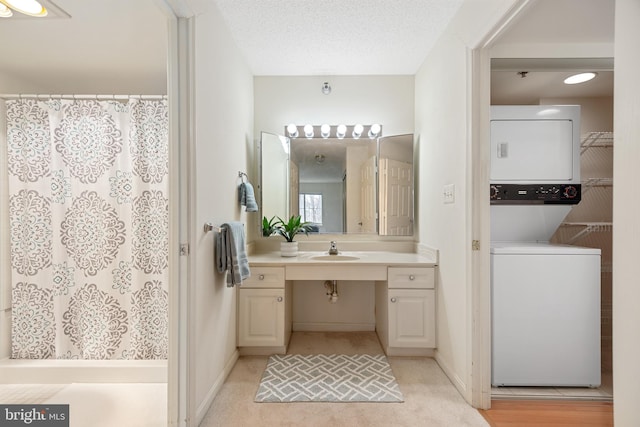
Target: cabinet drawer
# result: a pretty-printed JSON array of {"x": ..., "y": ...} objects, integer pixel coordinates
[
  {"x": 411, "y": 277},
  {"x": 265, "y": 277}
]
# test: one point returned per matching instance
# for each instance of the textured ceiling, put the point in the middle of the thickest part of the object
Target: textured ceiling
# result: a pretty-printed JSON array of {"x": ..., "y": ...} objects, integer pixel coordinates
[
  {"x": 338, "y": 37},
  {"x": 99, "y": 43}
]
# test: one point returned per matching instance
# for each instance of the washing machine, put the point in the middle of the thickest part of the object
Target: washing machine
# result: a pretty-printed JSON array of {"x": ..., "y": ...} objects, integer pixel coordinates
[{"x": 545, "y": 297}]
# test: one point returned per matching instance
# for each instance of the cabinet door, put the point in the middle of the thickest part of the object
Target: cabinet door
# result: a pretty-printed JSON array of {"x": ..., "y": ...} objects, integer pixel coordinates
[
  {"x": 261, "y": 317},
  {"x": 412, "y": 318}
]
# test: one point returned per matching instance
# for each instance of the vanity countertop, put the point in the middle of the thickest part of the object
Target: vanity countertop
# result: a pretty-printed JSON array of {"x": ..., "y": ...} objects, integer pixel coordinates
[{"x": 378, "y": 258}]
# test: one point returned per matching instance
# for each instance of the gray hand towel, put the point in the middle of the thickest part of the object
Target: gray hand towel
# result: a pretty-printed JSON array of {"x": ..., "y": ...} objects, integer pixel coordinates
[
  {"x": 247, "y": 197},
  {"x": 230, "y": 253}
]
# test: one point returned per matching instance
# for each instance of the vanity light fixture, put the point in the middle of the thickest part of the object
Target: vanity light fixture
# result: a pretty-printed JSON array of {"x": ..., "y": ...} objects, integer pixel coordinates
[
  {"x": 292, "y": 130},
  {"x": 325, "y": 131},
  {"x": 579, "y": 78},
  {"x": 374, "y": 131},
  {"x": 26, "y": 7},
  {"x": 357, "y": 131},
  {"x": 341, "y": 131},
  {"x": 308, "y": 131}
]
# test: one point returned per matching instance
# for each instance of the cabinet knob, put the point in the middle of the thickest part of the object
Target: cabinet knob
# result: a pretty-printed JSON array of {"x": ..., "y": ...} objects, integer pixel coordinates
[
  {"x": 261, "y": 277},
  {"x": 412, "y": 277},
  {"x": 279, "y": 299},
  {"x": 393, "y": 299}
]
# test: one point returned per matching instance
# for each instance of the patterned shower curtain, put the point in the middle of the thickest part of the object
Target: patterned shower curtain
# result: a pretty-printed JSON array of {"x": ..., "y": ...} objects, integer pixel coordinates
[{"x": 88, "y": 212}]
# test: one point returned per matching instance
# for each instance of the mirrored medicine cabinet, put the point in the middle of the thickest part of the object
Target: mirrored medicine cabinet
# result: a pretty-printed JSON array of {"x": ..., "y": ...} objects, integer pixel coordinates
[{"x": 340, "y": 185}]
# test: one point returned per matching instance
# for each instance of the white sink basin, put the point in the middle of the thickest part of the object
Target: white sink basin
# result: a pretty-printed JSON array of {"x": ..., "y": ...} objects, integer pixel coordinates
[{"x": 335, "y": 258}]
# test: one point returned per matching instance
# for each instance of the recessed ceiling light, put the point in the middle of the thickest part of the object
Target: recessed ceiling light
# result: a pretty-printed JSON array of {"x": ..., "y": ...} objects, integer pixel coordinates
[
  {"x": 28, "y": 7},
  {"x": 579, "y": 78},
  {"x": 5, "y": 12}
]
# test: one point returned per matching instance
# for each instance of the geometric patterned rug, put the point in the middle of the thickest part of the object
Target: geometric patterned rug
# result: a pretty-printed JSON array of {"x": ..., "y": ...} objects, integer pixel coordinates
[{"x": 328, "y": 378}]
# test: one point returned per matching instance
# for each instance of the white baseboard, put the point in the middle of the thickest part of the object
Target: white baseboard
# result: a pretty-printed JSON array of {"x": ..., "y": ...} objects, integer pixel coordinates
[
  {"x": 215, "y": 388},
  {"x": 453, "y": 377},
  {"x": 333, "y": 327},
  {"x": 409, "y": 352}
]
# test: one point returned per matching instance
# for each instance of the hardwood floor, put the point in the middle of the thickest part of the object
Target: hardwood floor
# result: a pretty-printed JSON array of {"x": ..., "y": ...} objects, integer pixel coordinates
[{"x": 530, "y": 413}]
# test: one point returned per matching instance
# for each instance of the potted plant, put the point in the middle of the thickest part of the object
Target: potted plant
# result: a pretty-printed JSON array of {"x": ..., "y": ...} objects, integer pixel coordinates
[
  {"x": 288, "y": 230},
  {"x": 268, "y": 226}
]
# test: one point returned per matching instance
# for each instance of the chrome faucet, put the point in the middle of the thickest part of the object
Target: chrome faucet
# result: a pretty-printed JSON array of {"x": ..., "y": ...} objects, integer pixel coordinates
[{"x": 333, "y": 248}]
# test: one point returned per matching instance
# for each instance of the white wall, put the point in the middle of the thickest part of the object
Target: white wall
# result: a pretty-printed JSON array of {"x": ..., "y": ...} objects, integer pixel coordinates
[
  {"x": 387, "y": 100},
  {"x": 223, "y": 140},
  {"x": 626, "y": 212},
  {"x": 443, "y": 134},
  {"x": 332, "y": 204},
  {"x": 11, "y": 84}
]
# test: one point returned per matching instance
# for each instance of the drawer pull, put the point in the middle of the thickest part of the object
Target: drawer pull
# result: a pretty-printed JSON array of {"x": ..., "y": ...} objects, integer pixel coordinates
[
  {"x": 279, "y": 299},
  {"x": 261, "y": 277},
  {"x": 412, "y": 277},
  {"x": 393, "y": 299}
]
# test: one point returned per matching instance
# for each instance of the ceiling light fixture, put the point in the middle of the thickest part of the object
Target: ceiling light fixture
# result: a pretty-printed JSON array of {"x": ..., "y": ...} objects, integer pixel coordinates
[
  {"x": 26, "y": 7},
  {"x": 579, "y": 78}
]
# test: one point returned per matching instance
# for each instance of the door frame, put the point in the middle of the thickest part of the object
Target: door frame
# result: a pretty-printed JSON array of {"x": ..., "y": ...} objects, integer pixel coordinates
[
  {"x": 479, "y": 83},
  {"x": 181, "y": 43}
]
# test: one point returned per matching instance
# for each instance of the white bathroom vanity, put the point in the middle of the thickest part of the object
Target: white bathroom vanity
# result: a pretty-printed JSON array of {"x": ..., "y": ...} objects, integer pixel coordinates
[{"x": 404, "y": 297}]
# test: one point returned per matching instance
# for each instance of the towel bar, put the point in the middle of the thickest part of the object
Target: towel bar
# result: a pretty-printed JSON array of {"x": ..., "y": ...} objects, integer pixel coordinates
[{"x": 210, "y": 227}]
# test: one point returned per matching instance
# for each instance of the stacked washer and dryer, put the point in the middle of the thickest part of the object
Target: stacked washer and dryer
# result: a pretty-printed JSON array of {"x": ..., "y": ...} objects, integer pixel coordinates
[{"x": 545, "y": 297}]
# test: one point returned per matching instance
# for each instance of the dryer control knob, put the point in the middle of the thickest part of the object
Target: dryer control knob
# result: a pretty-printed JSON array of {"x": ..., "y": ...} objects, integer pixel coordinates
[
  {"x": 493, "y": 192},
  {"x": 570, "y": 192}
]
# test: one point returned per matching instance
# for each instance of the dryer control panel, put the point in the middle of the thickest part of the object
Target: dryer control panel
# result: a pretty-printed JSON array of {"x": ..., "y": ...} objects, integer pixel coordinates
[{"x": 521, "y": 194}]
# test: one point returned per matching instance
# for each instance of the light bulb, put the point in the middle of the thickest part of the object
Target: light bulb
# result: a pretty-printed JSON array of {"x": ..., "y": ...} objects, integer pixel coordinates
[
  {"x": 28, "y": 7},
  {"x": 374, "y": 130},
  {"x": 357, "y": 131},
  {"x": 341, "y": 131},
  {"x": 308, "y": 131},
  {"x": 292, "y": 130},
  {"x": 325, "y": 130},
  {"x": 5, "y": 12}
]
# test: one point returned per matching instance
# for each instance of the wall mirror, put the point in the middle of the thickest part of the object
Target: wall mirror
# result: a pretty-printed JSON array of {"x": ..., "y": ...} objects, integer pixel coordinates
[{"x": 342, "y": 184}]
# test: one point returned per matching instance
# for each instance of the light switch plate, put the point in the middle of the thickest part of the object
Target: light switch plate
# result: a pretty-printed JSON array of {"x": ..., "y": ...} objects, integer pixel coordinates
[{"x": 449, "y": 193}]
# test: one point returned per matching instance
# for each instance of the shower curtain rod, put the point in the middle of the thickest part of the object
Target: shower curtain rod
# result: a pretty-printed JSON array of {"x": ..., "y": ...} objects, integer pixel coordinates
[{"x": 96, "y": 97}]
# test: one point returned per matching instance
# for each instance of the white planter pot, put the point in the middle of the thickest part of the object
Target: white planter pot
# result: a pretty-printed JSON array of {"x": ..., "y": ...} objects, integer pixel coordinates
[{"x": 289, "y": 249}]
